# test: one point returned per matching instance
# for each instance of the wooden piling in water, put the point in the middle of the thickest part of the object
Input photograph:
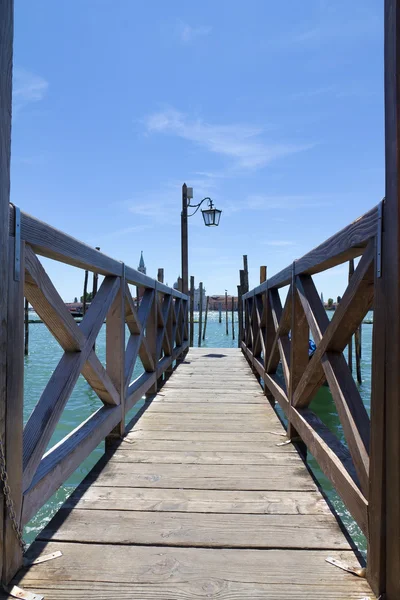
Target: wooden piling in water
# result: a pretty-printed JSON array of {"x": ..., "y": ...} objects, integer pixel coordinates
[
  {"x": 240, "y": 315},
  {"x": 95, "y": 281},
  {"x": 191, "y": 312},
  {"x": 85, "y": 284},
  {"x": 205, "y": 317},
  {"x": 200, "y": 312},
  {"x": 26, "y": 318},
  {"x": 220, "y": 312},
  {"x": 226, "y": 312},
  {"x": 233, "y": 318}
]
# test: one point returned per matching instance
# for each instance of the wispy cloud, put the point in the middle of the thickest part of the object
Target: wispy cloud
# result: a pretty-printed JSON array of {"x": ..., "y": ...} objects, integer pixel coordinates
[
  {"x": 27, "y": 88},
  {"x": 187, "y": 33},
  {"x": 242, "y": 143}
]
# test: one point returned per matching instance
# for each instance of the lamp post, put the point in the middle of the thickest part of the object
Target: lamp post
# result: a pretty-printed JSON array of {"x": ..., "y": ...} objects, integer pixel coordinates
[{"x": 211, "y": 216}]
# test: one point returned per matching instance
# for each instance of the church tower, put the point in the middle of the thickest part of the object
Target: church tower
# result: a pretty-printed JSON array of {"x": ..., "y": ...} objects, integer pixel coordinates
[{"x": 142, "y": 266}]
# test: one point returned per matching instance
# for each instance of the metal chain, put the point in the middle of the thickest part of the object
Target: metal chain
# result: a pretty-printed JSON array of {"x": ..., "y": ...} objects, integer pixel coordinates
[{"x": 8, "y": 498}]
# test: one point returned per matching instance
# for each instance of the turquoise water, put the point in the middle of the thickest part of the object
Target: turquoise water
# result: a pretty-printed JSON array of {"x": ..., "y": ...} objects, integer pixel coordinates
[{"x": 45, "y": 354}]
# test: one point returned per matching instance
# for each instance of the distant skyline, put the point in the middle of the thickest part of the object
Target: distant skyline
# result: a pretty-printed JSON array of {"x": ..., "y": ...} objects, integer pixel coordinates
[{"x": 274, "y": 110}]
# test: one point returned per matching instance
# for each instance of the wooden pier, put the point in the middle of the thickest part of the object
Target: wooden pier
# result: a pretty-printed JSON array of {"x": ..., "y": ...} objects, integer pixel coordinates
[
  {"x": 205, "y": 494},
  {"x": 200, "y": 500}
]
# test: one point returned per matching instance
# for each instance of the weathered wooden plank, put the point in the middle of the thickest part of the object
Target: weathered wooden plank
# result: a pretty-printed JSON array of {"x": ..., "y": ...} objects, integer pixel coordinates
[
  {"x": 183, "y": 573},
  {"x": 234, "y": 477},
  {"x": 208, "y": 397},
  {"x": 167, "y": 407},
  {"x": 196, "y": 529},
  {"x": 200, "y": 425},
  {"x": 206, "y": 436},
  {"x": 130, "y": 454},
  {"x": 220, "y": 588},
  {"x": 203, "y": 501},
  {"x": 268, "y": 444}
]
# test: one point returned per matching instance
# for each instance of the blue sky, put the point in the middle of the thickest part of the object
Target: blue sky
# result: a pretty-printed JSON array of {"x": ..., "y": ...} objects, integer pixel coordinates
[{"x": 275, "y": 110}]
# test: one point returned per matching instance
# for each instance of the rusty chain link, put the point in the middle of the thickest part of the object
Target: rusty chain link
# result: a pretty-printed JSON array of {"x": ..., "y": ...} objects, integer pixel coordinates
[{"x": 8, "y": 499}]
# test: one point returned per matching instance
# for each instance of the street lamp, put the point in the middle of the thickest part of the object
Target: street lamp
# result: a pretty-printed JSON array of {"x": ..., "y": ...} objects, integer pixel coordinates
[{"x": 211, "y": 216}]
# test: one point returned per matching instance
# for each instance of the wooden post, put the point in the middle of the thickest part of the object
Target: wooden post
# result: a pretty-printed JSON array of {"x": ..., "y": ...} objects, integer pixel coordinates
[
  {"x": 298, "y": 347},
  {"x": 184, "y": 242},
  {"x": 191, "y": 308},
  {"x": 233, "y": 317},
  {"x": 180, "y": 284},
  {"x": 350, "y": 346},
  {"x": 160, "y": 275},
  {"x": 240, "y": 315},
  {"x": 226, "y": 312},
  {"x": 85, "y": 284},
  {"x": 12, "y": 551},
  {"x": 263, "y": 274},
  {"x": 220, "y": 311},
  {"x": 11, "y": 314},
  {"x": 26, "y": 319},
  {"x": 95, "y": 281},
  {"x": 205, "y": 318},
  {"x": 384, "y": 493},
  {"x": 357, "y": 344},
  {"x": 200, "y": 312},
  {"x": 246, "y": 274},
  {"x": 115, "y": 352},
  {"x": 245, "y": 321}
]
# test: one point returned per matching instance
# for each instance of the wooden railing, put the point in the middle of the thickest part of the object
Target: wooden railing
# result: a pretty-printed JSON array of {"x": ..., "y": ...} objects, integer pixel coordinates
[
  {"x": 158, "y": 335},
  {"x": 277, "y": 335}
]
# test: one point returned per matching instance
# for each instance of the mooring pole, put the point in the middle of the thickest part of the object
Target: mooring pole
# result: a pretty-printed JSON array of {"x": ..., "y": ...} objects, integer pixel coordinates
[
  {"x": 205, "y": 317},
  {"x": 233, "y": 318},
  {"x": 200, "y": 312},
  {"x": 191, "y": 308},
  {"x": 226, "y": 312},
  {"x": 26, "y": 319}
]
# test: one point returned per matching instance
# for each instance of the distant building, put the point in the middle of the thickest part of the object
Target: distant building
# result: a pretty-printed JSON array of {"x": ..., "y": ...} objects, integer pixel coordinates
[{"x": 196, "y": 299}]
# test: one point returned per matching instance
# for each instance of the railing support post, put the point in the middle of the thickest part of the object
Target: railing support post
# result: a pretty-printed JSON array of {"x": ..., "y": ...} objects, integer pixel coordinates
[
  {"x": 115, "y": 352},
  {"x": 14, "y": 402},
  {"x": 384, "y": 509}
]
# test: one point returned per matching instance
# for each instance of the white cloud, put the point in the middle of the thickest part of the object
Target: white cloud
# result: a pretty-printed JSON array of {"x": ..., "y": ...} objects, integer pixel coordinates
[
  {"x": 242, "y": 143},
  {"x": 188, "y": 33},
  {"x": 27, "y": 88}
]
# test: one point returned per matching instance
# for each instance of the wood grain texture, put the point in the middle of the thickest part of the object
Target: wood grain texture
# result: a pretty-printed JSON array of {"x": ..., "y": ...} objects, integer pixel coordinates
[
  {"x": 6, "y": 66},
  {"x": 12, "y": 553},
  {"x": 196, "y": 529},
  {"x": 200, "y": 476},
  {"x": 185, "y": 497},
  {"x": 94, "y": 571},
  {"x": 203, "y": 501}
]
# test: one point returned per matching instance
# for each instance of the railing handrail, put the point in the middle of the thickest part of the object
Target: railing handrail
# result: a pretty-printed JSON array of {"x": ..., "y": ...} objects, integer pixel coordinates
[
  {"x": 347, "y": 243},
  {"x": 274, "y": 334},
  {"x": 50, "y": 242}
]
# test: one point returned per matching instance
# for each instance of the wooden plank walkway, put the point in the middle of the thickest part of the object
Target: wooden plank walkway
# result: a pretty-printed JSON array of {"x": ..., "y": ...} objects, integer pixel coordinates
[{"x": 199, "y": 501}]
